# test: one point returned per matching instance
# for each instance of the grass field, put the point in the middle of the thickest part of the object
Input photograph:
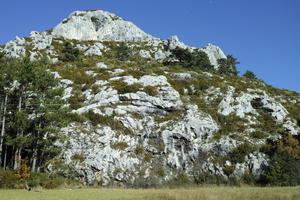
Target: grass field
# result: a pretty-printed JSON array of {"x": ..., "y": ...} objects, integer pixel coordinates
[{"x": 205, "y": 193}]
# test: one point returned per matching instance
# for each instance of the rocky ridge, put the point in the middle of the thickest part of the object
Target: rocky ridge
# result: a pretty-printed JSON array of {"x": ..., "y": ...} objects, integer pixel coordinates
[{"x": 153, "y": 122}]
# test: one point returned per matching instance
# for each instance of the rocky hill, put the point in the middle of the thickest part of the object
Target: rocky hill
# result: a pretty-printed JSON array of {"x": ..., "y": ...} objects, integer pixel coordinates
[{"x": 138, "y": 120}]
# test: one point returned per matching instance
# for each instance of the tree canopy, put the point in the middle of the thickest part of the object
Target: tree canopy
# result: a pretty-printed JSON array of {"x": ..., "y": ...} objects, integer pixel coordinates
[{"x": 31, "y": 110}]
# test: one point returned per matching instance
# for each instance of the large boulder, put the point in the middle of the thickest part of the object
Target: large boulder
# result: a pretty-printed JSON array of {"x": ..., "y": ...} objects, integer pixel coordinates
[{"x": 99, "y": 25}]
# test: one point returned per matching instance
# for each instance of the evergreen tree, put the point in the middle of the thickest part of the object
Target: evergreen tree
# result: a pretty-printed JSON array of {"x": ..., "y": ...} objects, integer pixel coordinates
[
  {"x": 7, "y": 75},
  {"x": 69, "y": 52},
  {"x": 123, "y": 52},
  {"x": 31, "y": 106},
  {"x": 250, "y": 75},
  {"x": 228, "y": 66},
  {"x": 196, "y": 59}
]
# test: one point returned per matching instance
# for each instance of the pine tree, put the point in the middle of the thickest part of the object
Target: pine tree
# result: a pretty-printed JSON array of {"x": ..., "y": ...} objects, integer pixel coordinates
[
  {"x": 250, "y": 75},
  {"x": 31, "y": 113},
  {"x": 228, "y": 66}
]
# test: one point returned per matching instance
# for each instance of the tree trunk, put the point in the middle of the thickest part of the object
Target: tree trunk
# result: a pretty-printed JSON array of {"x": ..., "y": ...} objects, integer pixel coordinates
[
  {"x": 34, "y": 159},
  {"x": 5, "y": 158},
  {"x": 18, "y": 149},
  {"x": 35, "y": 150},
  {"x": 3, "y": 127}
]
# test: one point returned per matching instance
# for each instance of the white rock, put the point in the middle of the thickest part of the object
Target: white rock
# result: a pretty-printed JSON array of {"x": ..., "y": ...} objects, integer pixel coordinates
[
  {"x": 145, "y": 54},
  {"x": 173, "y": 43},
  {"x": 214, "y": 53},
  {"x": 41, "y": 40},
  {"x": 242, "y": 105},
  {"x": 101, "y": 65},
  {"x": 99, "y": 25}
]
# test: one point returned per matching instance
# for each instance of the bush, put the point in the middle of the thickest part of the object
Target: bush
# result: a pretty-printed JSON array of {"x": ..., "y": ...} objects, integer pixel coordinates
[
  {"x": 123, "y": 51},
  {"x": 228, "y": 170},
  {"x": 139, "y": 150},
  {"x": 250, "y": 75},
  {"x": 228, "y": 66},
  {"x": 151, "y": 90},
  {"x": 196, "y": 59},
  {"x": 79, "y": 157},
  {"x": 76, "y": 100},
  {"x": 284, "y": 170},
  {"x": 119, "y": 145},
  {"x": 181, "y": 179},
  {"x": 124, "y": 88},
  {"x": 9, "y": 180},
  {"x": 284, "y": 166},
  {"x": 104, "y": 120},
  {"x": 69, "y": 52},
  {"x": 238, "y": 154},
  {"x": 248, "y": 179},
  {"x": 74, "y": 117}
]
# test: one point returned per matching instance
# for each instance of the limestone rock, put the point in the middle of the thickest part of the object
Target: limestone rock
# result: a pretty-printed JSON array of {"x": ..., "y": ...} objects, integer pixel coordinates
[
  {"x": 99, "y": 25},
  {"x": 173, "y": 42},
  {"x": 248, "y": 103},
  {"x": 214, "y": 53}
]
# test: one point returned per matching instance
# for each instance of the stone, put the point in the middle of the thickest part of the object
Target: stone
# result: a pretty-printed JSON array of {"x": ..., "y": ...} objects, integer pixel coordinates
[
  {"x": 101, "y": 65},
  {"x": 94, "y": 50},
  {"x": 243, "y": 104},
  {"x": 41, "y": 40},
  {"x": 144, "y": 54},
  {"x": 99, "y": 25},
  {"x": 214, "y": 53},
  {"x": 173, "y": 42}
]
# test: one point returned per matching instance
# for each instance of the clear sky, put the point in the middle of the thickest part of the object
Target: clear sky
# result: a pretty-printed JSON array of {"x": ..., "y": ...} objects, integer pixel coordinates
[{"x": 263, "y": 34}]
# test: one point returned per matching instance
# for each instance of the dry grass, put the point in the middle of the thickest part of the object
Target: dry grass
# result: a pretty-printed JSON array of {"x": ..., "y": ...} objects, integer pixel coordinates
[{"x": 205, "y": 193}]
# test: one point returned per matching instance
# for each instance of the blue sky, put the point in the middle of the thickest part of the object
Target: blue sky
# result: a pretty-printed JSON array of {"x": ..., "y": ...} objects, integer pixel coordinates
[{"x": 263, "y": 34}]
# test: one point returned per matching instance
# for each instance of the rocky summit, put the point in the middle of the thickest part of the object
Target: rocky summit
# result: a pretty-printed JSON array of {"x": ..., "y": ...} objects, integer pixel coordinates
[{"x": 144, "y": 116}]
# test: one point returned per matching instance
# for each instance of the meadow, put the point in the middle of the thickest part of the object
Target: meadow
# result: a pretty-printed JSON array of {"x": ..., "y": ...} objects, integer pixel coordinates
[{"x": 203, "y": 193}]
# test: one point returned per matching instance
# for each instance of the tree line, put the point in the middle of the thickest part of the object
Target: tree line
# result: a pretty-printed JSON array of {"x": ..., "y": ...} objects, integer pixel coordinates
[{"x": 31, "y": 110}]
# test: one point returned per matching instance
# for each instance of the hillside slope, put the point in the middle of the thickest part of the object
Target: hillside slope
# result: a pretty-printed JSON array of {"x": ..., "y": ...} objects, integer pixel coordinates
[{"x": 138, "y": 120}]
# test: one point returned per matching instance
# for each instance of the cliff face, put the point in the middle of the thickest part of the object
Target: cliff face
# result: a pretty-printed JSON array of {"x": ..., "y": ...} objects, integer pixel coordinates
[{"x": 138, "y": 119}]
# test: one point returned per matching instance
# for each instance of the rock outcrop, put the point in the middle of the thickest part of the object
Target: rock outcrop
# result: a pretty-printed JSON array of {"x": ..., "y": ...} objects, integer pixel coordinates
[{"x": 99, "y": 25}]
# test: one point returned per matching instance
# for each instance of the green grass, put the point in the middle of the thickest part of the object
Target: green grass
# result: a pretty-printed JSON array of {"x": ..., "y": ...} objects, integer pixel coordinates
[{"x": 205, "y": 193}]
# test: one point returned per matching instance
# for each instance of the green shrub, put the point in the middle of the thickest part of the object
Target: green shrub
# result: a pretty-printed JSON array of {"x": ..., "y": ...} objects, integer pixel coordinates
[
  {"x": 207, "y": 178},
  {"x": 139, "y": 150},
  {"x": 181, "y": 179},
  {"x": 228, "y": 66},
  {"x": 196, "y": 59},
  {"x": 250, "y": 75},
  {"x": 52, "y": 183},
  {"x": 228, "y": 170},
  {"x": 76, "y": 100},
  {"x": 284, "y": 165},
  {"x": 74, "y": 117},
  {"x": 284, "y": 170},
  {"x": 248, "y": 179},
  {"x": 238, "y": 154},
  {"x": 230, "y": 123},
  {"x": 124, "y": 88},
  {"x": 79, "y": 157},
  {"x": 8, "y": 179},
  {"x": 123, "y": 51},
  {"x": 160, "y": 172},
  {"x": 258, "y": 135},
  {"x": 151, "y": 90},
  {"x": 69, "y": 52},
  {"x": 105, "y": 120},
  {"x": 119, "y": 145},
  {"x": 148, "y": 157}
]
